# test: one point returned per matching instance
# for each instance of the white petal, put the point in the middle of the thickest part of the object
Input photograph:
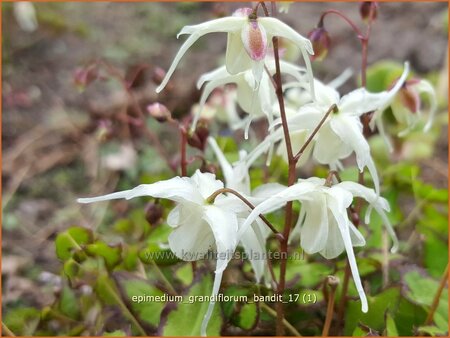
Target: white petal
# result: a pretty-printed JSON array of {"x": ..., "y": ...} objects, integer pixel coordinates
[
  {"x": 224, "y": 226},
  {"x": 343, "y": 224},
  {"x": 314, "y": 232},
  {"x": 276, "y": 27},
  {"x": 228, "y": 24},
  {"x": 193, "y": 238},
  {"x": 215, "y": 291},
  {"x": 227, "y": 169},
  {"x": 254, "y": 246},
  {"x": 178, "y": 189},
  {"x": 334, "y": 245},
  {"x": 329, "y": 147},
  {"x": 425, "y": 87},
  {"x": 236, "y": 59},
  {"x": 206, "y": 183},
  {"x": 296, "y": 191},
  {"x": 361, "y": 101}
]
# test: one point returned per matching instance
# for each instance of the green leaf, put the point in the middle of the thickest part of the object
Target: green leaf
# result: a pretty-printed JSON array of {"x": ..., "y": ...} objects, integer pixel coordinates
[
  {"x": 233, "y": 292},
  {"x": 185, "y": 274},
  {"x": 111, "y": 254},
  {"x": 22, "y": 321},
  {"x": 422, "y": 291},
  {"x": 248, "y": 316},
  {"x": 153, "y": 252},
  {"x": 431, "y": 331},
  {"x": 391, "y": 328},
  {"x": 68, "y": 304},
  {"x": 71, "y": 268},
  {"x": 374, "y": 318},
  {"x": 186, "y": 319},
  {"x": 72, "y": 240},
  {"x": 143, "y": 298}
]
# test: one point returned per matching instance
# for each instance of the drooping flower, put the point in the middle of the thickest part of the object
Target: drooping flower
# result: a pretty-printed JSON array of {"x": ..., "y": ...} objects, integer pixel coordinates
[
  {"x": 248, "y": 40},
  {"x": 254, "y": 238},
  {"x": 198, "y": 226},
  {"x": 257, "y": 102},
  {"x": 342, "y": 132},
  {"x": 323, "y": 224},
  {"x": 407, "y": 108}
]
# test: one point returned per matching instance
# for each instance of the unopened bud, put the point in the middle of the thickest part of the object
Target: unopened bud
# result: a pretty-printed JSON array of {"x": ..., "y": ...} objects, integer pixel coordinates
[
  {"x": 159, "y": 112},
  {"x": 254, "y": 38},
  {"x": 198, "y": 138},
  {"x": 366, "y": 7},
  {"x": 158, "y": 75},
  {"x": 83, "y": 76},
  {"x": 104, "y": 129},
  {"x": 153, "y": 212},
  {"x": 208, "y": 168},
  {"x": 410, "y": 97},
  {"x": 321, "y": 43}
]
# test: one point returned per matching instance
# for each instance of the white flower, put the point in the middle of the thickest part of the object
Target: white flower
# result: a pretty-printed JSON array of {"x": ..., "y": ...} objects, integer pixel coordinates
[
  {"x": 254, "y": 238},
  {"x": 198, "y": 226},
  {"x": 407, "y": 108},
  {"x": 323, "y": 224},
  {"x": 25, "y": 15},
  {"x": 341, "y": 134},
  {"x": 248, "y": 39},
  {"x": 256, "y": 100}
]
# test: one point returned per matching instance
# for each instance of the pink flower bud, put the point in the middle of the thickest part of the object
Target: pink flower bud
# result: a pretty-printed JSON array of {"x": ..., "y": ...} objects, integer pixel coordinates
[
  {"x": 244, "y": 11},
  {"x": 199, "y": 137},
  {"x": 153, "y": 212},
  {"x": 365, "y": 8},
  {"x": 321, "y": 43},
  {"x": 83, "y": 76},
  {"x": 159, "y": 112},
  {"x": 254, "y": 38}
]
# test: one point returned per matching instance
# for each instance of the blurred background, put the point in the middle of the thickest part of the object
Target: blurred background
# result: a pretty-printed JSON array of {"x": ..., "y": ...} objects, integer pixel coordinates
[{"x": 65, "y": 137}]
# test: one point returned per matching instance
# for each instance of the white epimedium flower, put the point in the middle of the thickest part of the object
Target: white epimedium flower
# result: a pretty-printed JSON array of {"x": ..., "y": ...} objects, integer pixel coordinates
[
  {"x": 256, "y": 100},
  {"x": 198, "y": 226},
  {"x": 407, "y": 108},
  {"x": 342, "y": 132},
  {"x": 248, "y": 40},
  {"x": 323, "y": 224},
  {"x": 253, "y": 240}
]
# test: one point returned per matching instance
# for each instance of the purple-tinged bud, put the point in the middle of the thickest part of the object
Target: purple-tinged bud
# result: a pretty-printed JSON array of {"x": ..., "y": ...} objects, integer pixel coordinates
[
  {"x": 321, "y": 43},
  {"x": 104, "y": 130},
  {"x": 83, "y": 76},
  {"x": 153, "y": 212},
  {"x": 158, "y": 75},
  {"x": 254, "y": 38},
  {"x": 365, "y": 8},
  {"x": 199, "y": 137},
  {"x": 208, "y": 168},
  {"x": 244, "y": 11},
  {"x": 159, "y": 112}
]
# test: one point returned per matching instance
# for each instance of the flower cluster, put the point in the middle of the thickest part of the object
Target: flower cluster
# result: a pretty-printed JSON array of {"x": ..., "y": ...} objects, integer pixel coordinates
[{"x": 211, "y": 215}]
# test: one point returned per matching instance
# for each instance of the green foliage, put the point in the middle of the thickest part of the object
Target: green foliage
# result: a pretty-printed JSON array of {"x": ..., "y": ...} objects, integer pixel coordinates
[{"x": 186, "y": 318}]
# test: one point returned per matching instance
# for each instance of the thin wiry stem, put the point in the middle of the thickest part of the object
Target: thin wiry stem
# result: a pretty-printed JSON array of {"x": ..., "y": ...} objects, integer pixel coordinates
[
  {"x": 333, "y": 109},
  {"x": 437, "y": 297},
  {"x": 332, "y": 282}
]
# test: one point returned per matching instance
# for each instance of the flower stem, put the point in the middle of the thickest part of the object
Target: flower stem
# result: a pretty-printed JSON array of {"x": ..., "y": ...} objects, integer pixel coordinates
[
  {"x": 183, "y": 162},
  {"x": 332, "y": 282},
  {"x": 216, "y": 193},
  {"x": 437, "y": 297},
  {"x": 343, "y": 300},
  {"x": 288, "y": 325},
  {"x": 333, "y": 109}
]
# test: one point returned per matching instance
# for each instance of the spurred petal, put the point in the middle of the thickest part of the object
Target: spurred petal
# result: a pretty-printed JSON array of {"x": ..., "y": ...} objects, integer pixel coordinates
[
  {"x": 224, "y": 226},
  {"x": 228, "y": 24},
  {"x": 426, "y": 88},
  {"x": 227, "y": 169},
  {"x": 178, "y": 189},
  {"x": 276, "y": 27},
  {"x": 329, "y": 146},
  {"x": 254, "y": 246},
  {"x": 314, "y": 232},
  {"x": 342, "y": 222},
  {"x": 206, "y": 183},
  {"x": 192, "y": 238},
  {"x": 215, "y": 291}
]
